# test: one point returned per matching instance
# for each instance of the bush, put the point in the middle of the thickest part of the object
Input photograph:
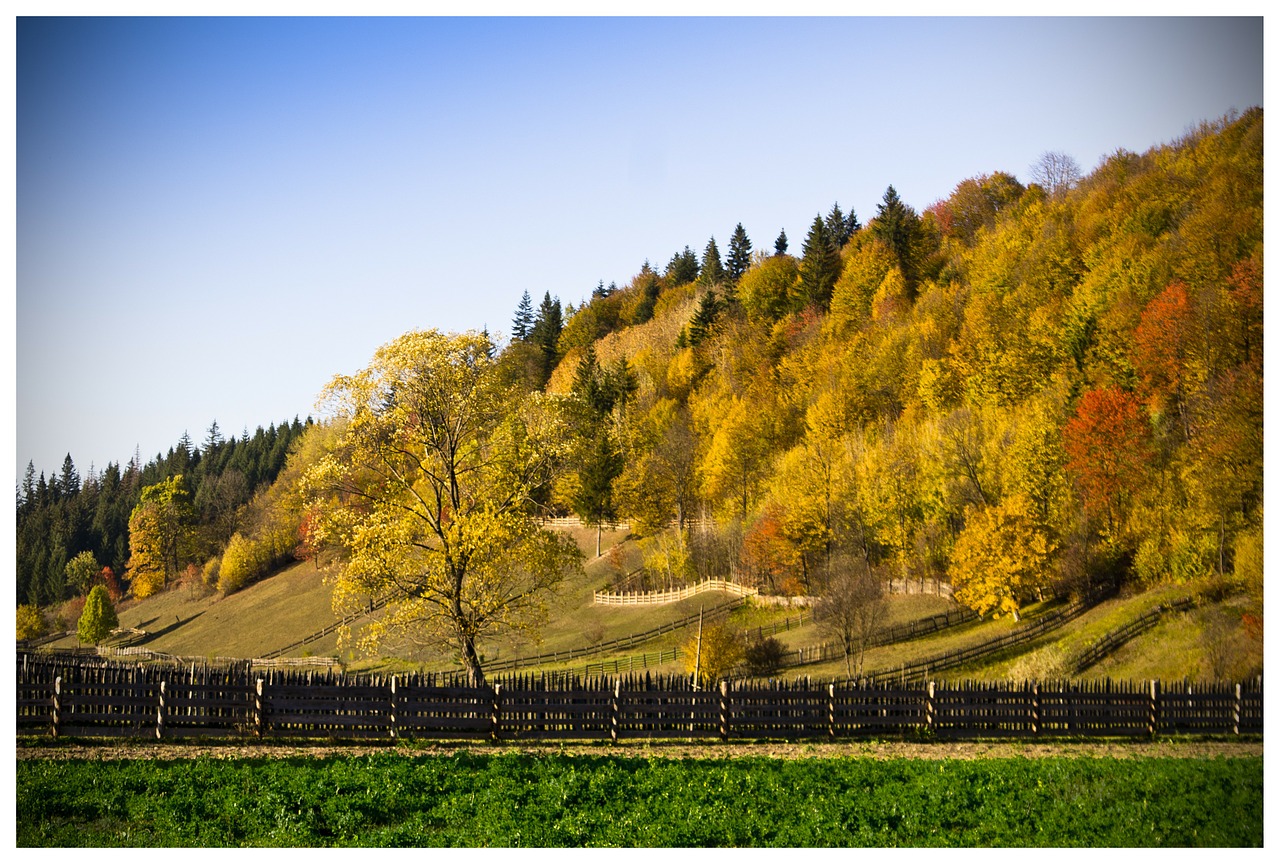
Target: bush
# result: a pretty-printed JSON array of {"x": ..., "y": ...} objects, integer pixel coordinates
[
  {"x": 764, "y": 657},
  {"x": 30, "y": 623},
  {"x": 99, "y": 617},
  {"x": 242, "y": 562}
]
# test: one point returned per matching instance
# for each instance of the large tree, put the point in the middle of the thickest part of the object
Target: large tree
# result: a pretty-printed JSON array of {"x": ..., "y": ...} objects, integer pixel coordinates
[
  {"x": 161, "y": 531},
  {"x": 429, "y": 493},
  {"x": 820, "y": 267}
]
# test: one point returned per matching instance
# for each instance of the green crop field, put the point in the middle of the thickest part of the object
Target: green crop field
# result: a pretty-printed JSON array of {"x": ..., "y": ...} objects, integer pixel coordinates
[{"x": 502, "y": 800}]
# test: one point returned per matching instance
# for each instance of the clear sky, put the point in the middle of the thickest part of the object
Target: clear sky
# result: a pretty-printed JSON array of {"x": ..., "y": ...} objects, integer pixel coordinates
[{"x": 215, "y": 216}]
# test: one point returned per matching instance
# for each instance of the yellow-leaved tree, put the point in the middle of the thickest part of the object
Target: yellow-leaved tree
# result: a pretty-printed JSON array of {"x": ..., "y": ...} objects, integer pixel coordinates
[
  {"x": 430, "y": 493},
  {"x": 1000, "y": 557},
  {"x": 161, "y": 531}
]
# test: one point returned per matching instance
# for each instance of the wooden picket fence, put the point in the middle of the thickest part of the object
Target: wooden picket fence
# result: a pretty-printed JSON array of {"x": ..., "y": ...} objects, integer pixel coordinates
[
  {"x": 655, "y": 598},
  {"x": 102, "y": 700}
]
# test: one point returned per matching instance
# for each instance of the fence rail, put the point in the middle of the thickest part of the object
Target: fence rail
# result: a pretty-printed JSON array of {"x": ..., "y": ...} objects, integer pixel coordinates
[
  {"x": 655, "y": 598},
  {"x": 1111, "y": 641},
  {"x": 157, "y": 702}
]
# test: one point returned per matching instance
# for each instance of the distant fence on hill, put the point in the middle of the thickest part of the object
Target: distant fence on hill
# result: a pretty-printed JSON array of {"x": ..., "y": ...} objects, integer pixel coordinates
[
  {"x": 654, "y": 598},
  {"x": 104, "y": 700}
]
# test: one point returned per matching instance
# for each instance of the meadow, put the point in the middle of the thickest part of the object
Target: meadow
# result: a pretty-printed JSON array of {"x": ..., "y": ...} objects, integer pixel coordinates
[{"x": 564, "y": 800}]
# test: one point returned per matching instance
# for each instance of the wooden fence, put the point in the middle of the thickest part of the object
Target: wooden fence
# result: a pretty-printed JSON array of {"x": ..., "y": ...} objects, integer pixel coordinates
[
  {"x": 1112, "y": 640},
  {"x": 654, "y": 598},
  {"x": 160, "y": 702}
]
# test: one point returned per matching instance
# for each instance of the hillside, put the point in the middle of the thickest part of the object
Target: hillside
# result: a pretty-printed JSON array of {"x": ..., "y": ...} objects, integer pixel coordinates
[{"x": 1020, "y": 390}]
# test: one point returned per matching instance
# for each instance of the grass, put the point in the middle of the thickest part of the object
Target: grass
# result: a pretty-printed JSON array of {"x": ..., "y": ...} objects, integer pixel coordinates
[{"x": 503, "y": 800}]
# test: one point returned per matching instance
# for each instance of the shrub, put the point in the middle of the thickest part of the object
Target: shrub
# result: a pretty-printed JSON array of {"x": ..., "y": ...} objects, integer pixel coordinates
[
  {"x": 30, "y": 623},
  {"x": 720, "y": 651},
  {"x": 764, "y": 656},
  {"x": 99, "y": 617}
]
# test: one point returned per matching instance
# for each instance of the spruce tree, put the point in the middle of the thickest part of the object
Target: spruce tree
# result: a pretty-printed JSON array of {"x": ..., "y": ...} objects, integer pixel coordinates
[
  {"x": 704, "y": 318},
  {"x": 683, "y": 267},
  {"x": 712, "y": 270},
  {"x": 523, "y": 322},
  {"x": 820, "y": 266},
  {"x": 898, "y": 226},
  {"x": 739, "y": 254},
  {"x": 835, "y": 226},
  {"x": 780, "y": 245},
  {"x": 545, "y": 334}
]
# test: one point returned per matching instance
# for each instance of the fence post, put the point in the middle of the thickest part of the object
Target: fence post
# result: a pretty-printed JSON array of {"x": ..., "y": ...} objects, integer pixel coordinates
[
  {"x": 831, "y": 710},
  {"x": 394, "y": 731},
  {"x": 160, "y": 709},
  {"x": 1035, "y": 708},
  {"x": 1153, "y": 709},
  {"x": 613, "y": 710},
  {"x": 1235, "y": 713},
  {"x": 724, "y": 710},
  {"x": 57, "y": 704},
  {"x": 259, "y": 720},
  {"x": 497, "y": 709},
  {"x": 930, "y": 715}
]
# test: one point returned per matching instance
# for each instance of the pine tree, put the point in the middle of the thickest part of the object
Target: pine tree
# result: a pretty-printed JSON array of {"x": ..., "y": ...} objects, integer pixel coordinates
[
  {"x": 898, "y": 226},
  {"x": 683, "y": 267},
  {"x": 739, "y": 254},
  {"x": 704, "y": 318},
  {"x": 820, "y": 266},
  {"x": 780, "y": 245},
  {"x": 835, "y": 226},
  {"x": 523, "y": 322},
  {"x": 545, "y": 334},
  {"x": 712, "y": 270}
]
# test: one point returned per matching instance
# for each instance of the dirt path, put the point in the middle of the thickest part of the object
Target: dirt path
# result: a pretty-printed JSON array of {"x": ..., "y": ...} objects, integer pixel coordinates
[{"x": 662, "y": 750}]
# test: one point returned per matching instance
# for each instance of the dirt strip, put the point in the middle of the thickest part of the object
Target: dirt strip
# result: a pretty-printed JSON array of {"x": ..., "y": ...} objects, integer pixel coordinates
[{"x": 1185, "y": 749}]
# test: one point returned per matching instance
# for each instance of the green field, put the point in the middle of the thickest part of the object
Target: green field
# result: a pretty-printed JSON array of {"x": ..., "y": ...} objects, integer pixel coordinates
[{"x": 508, "y": 800}]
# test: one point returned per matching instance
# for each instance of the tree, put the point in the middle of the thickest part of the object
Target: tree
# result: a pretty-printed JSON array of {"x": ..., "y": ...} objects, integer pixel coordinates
[
  {"x": 80, "y": 571},
  {"x": 430, "y": 493},
  {"x": 161, "y": 528},
  {"x": 30, "y": 623},
  {"x": 739, "y": 254},
  {"x": 999, "y": 557},
  {"x": 712, "y": 272},
  {"x": 780, "y": 245},
  {"x": 711, "y": 653},
  {"x": 850, "y": 610},
  {"x": 522, "y": 324},
  {"x": 899, "y": 227},
  {"x": 704, "y": 318},
  {"x": 1108, "y": 446},
  {"x": 820, "y": 266},
  {"x": 765, "y": 656},
  {"x": 1055, "y": 172},
  {"x": 683, "y": 267},
  {"x": 765, "y": 290},
  {"x": 98, "y": 618},
  {"x": 545, "y": 335},
  {"x": 596, "y": 392}
]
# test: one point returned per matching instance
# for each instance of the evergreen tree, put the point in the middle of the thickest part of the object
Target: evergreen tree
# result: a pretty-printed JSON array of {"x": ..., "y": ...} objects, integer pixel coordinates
[
  {"x": 780, "y": 245},
  {"x": 851, "y": 225},
  {"x": 683, "y": 267},
  {"x": 545, "y": 334},
  {"x": 841, "y": 227},
  {"x": 704, "y": 319},
  {"x": 899, "y": 227},
  {"x": 739, "y": 254},
  {"x": 820, "y": 266},
  {"x": 70, "y": 482},
  {"x": 523, "y": 322},
  {"x": 712, "y": 270}
]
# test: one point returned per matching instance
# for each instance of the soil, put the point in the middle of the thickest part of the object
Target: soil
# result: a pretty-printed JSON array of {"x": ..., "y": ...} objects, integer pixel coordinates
[{"x": 1184, "y": 749}]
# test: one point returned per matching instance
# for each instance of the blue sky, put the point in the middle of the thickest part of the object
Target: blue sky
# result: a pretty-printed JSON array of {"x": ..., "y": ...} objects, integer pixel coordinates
[{"x": 215, "y": 216}]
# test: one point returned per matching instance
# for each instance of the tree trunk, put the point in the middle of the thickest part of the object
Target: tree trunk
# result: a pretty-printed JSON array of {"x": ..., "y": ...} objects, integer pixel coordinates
[{"x": 471, "y": 662}]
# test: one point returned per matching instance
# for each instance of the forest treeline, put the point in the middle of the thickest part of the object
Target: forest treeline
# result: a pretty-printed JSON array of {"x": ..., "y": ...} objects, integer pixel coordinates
[
  {"x": 65, "y": 518},
  {"x": 1020, "y": 387}
]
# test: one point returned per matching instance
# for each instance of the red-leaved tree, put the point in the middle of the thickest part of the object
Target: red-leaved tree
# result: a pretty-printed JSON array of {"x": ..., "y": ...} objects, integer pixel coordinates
[
  {"x": 1108, "y": 446},
  {"x": 1161, "y": 345}
]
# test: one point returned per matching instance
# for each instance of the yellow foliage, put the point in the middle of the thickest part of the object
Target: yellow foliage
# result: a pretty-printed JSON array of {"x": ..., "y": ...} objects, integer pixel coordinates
[
  {"x": 998, "y": 558},
  {"x": 30, "y": 623},
  {"x": 719, "y": 651}
]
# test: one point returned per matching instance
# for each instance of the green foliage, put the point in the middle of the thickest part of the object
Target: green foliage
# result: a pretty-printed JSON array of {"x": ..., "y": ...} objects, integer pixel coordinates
[
  {"x": 98, "y": 618},
  {"x": 512, "y": 799},
  {"x": 80, "y": 571}
]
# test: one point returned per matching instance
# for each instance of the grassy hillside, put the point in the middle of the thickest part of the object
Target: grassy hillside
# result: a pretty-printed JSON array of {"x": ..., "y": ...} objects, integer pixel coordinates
[{"x": 295, "y": 602}]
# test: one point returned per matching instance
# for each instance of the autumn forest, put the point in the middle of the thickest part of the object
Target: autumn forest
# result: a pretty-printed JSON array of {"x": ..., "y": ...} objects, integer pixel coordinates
[{"x": 1043, "y": 384}]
